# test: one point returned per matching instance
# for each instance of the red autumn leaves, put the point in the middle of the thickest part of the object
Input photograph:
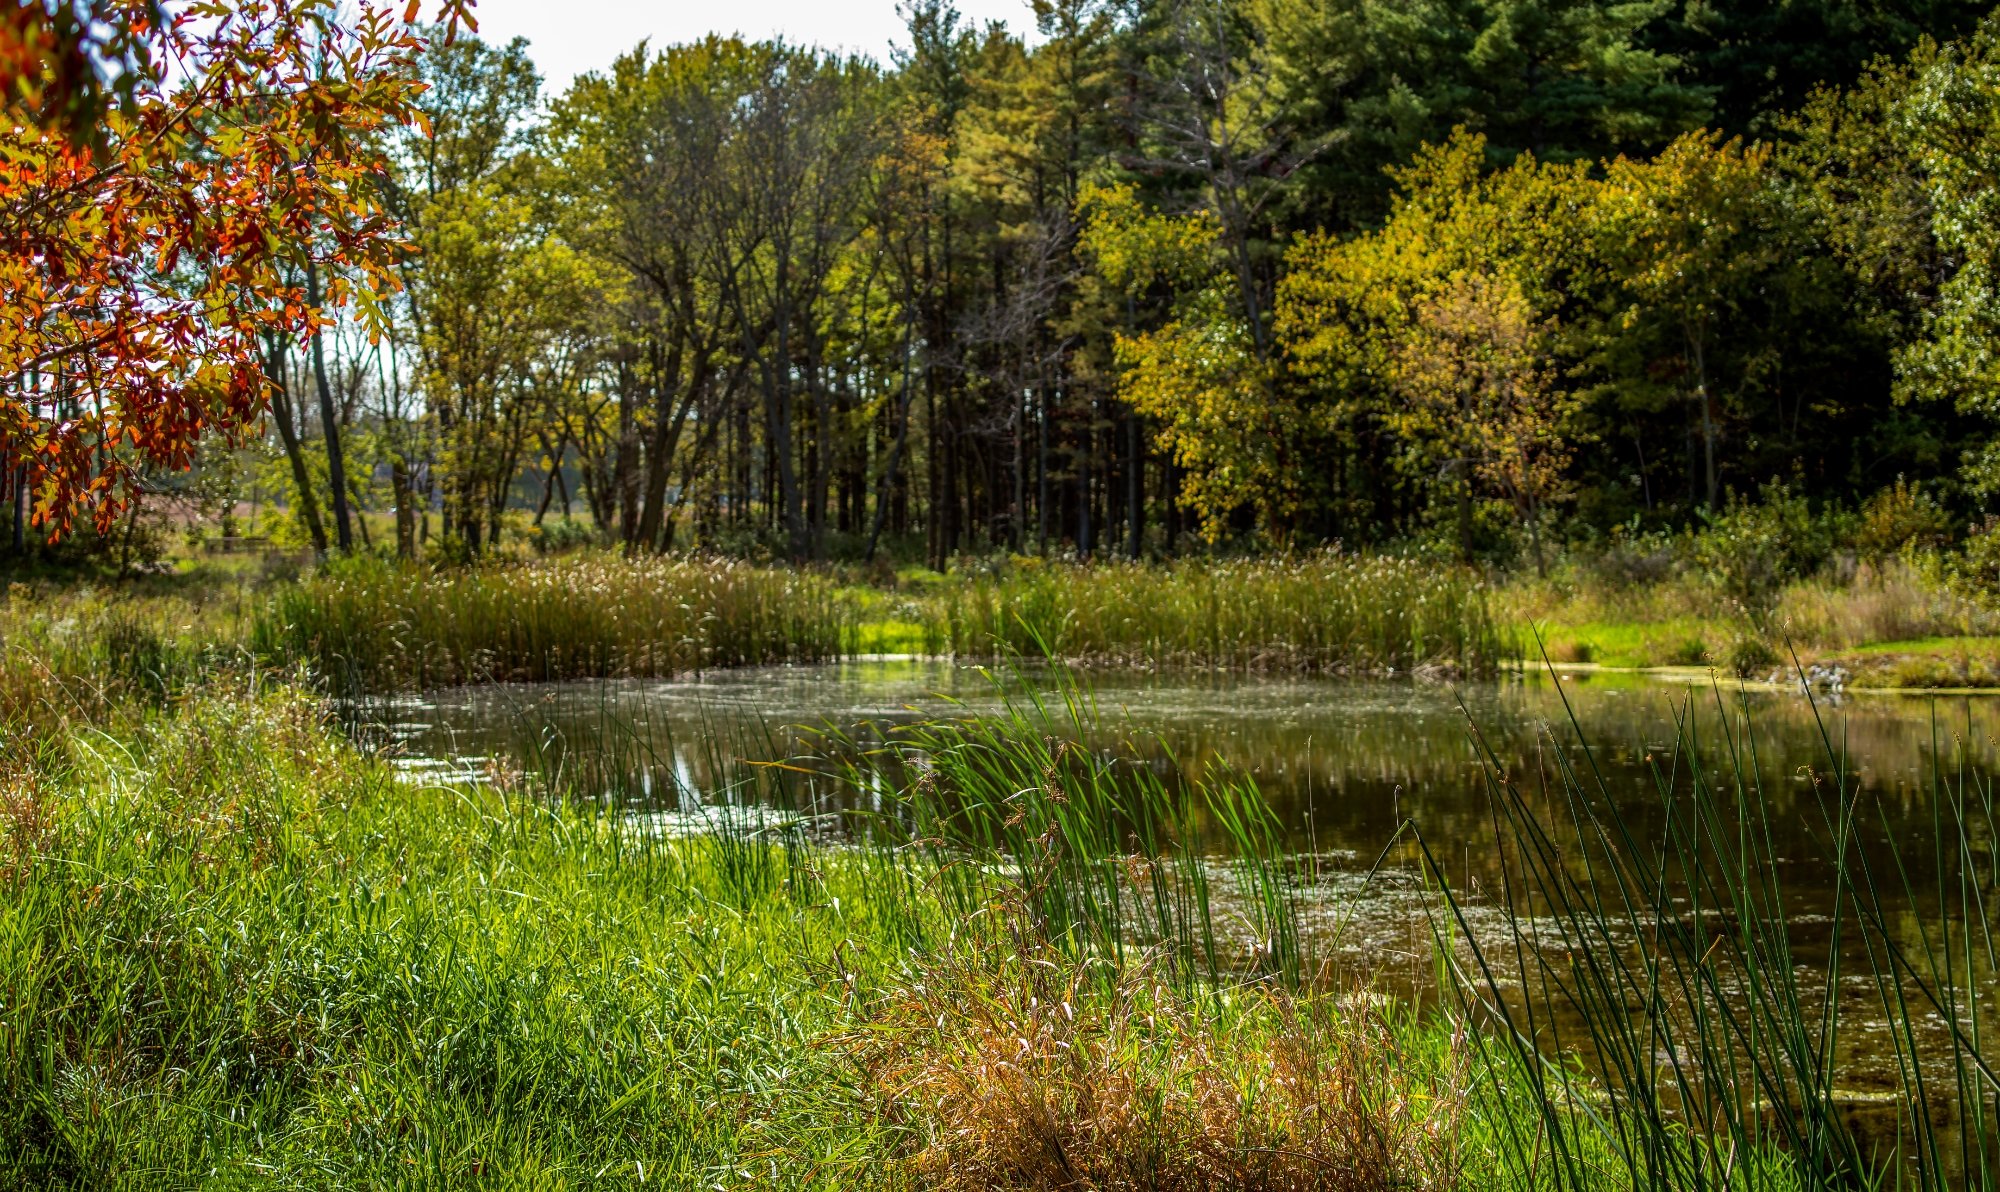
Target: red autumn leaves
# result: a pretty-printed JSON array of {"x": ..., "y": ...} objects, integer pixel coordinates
[{"x": 148, "y": 260}]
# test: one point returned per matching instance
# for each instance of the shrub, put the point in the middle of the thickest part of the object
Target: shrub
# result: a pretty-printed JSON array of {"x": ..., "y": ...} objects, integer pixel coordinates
[
  {"x": 1752, "y": 548},
  {"x": 1896, "y": 518},
  {"x": 1571, "y": 650},
  {"x": 1690, "y": 650},
  {"x": 1977, "y": 565},
  {"x": 1631, "y": 558},
  {"x": 561, "y": 534},
  {"x": 1750, "y": 656}
]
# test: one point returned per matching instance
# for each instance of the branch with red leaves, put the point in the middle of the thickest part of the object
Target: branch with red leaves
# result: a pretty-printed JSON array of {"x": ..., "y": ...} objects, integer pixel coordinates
[{"x": 143, "y": 265}]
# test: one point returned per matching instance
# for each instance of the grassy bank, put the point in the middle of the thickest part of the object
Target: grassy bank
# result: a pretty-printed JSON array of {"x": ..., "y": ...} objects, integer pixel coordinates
[
  {"x": 233, "y": 948},
  {"x": 1896, "y": 624},
  {"x": 1328, "y": 613},
  {"x": 368, "y": 625}
]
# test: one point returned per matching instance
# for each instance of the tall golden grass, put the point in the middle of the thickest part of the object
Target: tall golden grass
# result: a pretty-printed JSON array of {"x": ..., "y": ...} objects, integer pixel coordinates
[
  {"x": 375, "y": 626},
  {"x": 1019, "y": 1068}
]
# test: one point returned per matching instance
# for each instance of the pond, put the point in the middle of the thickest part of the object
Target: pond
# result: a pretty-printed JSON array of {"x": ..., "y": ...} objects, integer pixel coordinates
[{"x": 1343, "y": 763}]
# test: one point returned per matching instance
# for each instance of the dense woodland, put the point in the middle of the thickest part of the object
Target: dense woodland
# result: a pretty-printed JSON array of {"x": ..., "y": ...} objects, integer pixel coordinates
[{"x": 1494, "y": 275}]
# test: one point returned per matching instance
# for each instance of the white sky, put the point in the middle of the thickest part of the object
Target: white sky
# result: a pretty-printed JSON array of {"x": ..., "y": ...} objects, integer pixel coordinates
[{"x": 568, "y": 37}]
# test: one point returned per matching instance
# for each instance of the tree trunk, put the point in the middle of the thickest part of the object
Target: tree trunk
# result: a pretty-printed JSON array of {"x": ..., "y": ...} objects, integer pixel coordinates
[
  {"x": 406, "y": 514},
  {"x": 1695, "y": 341},
  {"x": 361, "y": 521},
  {"x": 336, "y": 463},
  {"x": 1135, "y": 494},
  {"x": 669, "y": 419},
  {"x": 548, "y": 492},
  {"x": 281, "y": 413},
  {"x": 902, "y": 434},
  {"x": 1042, "y": 467},
  {"x": 1083, "y": 487},
  {"x": 821, "y": 449},
  {"x": 1464, "y": 510}
]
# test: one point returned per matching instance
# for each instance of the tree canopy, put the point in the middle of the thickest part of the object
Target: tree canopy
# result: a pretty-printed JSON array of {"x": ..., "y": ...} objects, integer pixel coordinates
[{"x": 1249, "y": 272}]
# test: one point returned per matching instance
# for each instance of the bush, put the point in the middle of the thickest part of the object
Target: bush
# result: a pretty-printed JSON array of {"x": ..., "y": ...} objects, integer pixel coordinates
[
  {"x": 1977, "y": 564},
  {"x": 1753, "y": 548},
  {"x": 1632, "y": 557},
  {"x": 1899, "y": 517},
  {"x": 1751, "y": 656},
  {"x": 561, "y": 534}
]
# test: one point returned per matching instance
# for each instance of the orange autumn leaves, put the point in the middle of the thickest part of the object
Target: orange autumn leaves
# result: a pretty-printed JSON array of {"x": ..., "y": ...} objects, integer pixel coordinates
[{"x": 147, "y": 261}]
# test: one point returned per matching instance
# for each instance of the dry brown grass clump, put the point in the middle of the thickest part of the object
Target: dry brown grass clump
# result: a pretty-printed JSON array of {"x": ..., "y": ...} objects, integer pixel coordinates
[{"x": 1013, "y": 1072}]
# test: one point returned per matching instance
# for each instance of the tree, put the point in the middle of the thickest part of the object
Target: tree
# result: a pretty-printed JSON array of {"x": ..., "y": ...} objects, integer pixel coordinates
[
  {"x": 1688, "y": 238},
  {"x": 1438, "y": 338},
  {"x": 141, "y": 276},
  {"x": 1761, "y": 61},
  {"x": 1947, "y": 121},
  {"x": 1564, "y": 80},
  {"x": 487, "y": 286},
  {"x": 1476, "y": 367},
  {"x": 1201, "y": 374}
]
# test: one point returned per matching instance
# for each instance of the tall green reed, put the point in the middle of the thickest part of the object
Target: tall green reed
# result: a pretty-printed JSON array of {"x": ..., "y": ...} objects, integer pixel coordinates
[
  {"x": 1103, "y": 856},
  {"x": 1715, "y": 1021},
  {"x": 1106, "y": 856},
  {"x": 1326, "y": 612}
]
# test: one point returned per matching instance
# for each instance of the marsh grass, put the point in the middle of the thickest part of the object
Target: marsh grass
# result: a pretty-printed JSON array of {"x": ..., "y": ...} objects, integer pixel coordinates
[
  {"x": 1717, "y": 1020},
  {"x": 1006, "y": 1067},
  {"x": 239, "y": 951},
  {"x": 367, "y": 625},
  {"x": 1327, "y": 612},
  {"x": 1110, "y": 859}
]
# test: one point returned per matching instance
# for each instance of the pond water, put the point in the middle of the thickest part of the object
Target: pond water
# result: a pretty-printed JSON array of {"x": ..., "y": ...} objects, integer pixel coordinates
[{"x": 1342, "y": 763}]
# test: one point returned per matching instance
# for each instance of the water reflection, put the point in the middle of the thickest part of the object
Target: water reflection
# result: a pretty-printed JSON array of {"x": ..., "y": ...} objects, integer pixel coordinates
[{"x": 1341, "y": 761}]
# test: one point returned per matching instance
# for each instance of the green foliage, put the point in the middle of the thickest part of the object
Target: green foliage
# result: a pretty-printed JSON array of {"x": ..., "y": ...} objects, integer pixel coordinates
[
  {"x": 559, "y": 535},
  {"x": 1752, "y": 548},
  {"x": 1977, "y": 563},
  {"x": 1899, "y": 518},
  {"x": 1291, "y": 272},
  {"x": 1565, "y": 81}
]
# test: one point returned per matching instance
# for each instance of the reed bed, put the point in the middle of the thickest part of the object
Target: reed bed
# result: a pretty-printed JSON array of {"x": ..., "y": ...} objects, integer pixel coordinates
[
  {"x": 1111, "y": 861},
  {"x": 1719, "y": 1024},
  {"x": 375, "y": 626},
  {"x": 1334, "y": 612}
]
